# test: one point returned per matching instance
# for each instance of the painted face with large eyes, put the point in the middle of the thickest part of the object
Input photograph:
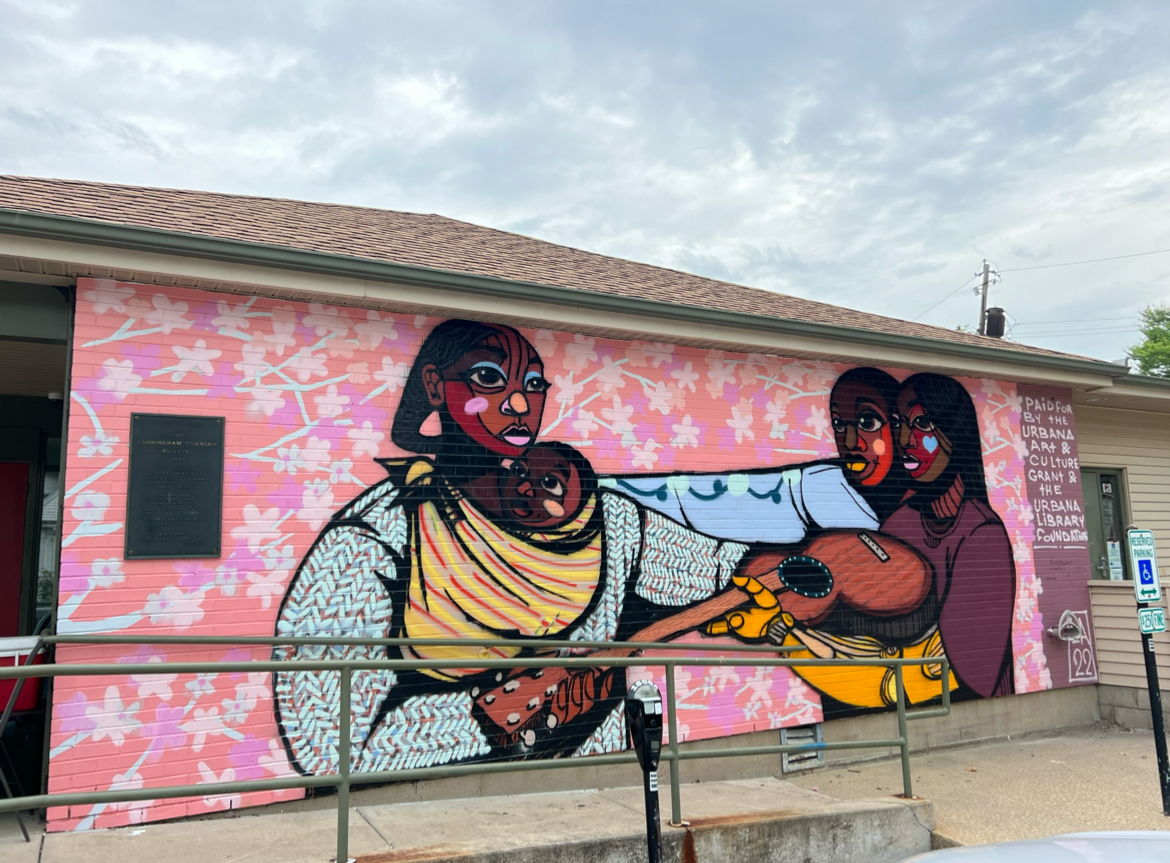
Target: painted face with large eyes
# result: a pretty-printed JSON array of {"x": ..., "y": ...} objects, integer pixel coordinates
[
  {"x": 861, "y": 426},
  {"x": 926, "y": 450},
  {"x": 542, "y": 490},
  {"x": 495, "y": 392}
]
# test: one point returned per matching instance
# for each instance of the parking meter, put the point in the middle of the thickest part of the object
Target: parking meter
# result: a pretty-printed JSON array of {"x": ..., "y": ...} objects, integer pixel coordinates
[{"x": 644, "y": 717}]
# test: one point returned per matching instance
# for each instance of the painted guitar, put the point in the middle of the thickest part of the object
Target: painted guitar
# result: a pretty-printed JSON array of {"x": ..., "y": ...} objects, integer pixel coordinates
[{"x": 872, "y": 573}]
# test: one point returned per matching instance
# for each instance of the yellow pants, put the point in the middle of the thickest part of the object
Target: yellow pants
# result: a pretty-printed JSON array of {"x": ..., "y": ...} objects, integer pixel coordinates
[{"x": 871, "y": 686}]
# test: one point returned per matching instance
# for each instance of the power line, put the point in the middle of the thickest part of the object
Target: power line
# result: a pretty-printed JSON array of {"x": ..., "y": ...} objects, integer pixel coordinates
[
  {"x": 1070, "y": 321},
  {"x": 1078, "y": 333},
  {"x": 1088, "y": 327},
  {"x": 1093, "y": 261},
  {"x": 947, "y": 297}
]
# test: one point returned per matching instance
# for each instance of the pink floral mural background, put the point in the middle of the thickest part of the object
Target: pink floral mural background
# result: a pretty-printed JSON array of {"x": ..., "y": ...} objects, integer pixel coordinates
[{"x": 308, "y": 392}]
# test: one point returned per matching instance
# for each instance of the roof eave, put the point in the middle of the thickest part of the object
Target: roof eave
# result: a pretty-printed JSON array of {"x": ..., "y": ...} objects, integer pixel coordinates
[{"x": 67, "y": 228}]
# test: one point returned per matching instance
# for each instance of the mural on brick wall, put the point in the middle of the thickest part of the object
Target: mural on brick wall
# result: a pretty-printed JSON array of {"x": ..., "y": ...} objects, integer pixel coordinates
[{"x": 397, "y": 475}]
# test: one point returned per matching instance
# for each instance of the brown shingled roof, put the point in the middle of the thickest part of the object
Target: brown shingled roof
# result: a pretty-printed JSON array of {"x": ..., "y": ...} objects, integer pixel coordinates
[{"x": 435, "y": 242}]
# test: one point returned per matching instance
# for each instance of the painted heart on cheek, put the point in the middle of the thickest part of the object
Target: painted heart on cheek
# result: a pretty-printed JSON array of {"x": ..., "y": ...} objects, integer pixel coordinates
[{"x": 930, "y": 442}]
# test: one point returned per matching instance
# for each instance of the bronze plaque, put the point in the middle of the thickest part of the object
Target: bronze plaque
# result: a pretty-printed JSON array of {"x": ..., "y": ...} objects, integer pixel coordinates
[{"x": 174, "y": 500}]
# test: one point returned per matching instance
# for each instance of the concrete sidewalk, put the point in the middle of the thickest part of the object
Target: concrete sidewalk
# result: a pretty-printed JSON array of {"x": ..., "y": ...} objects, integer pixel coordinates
[
  {"x": 1100, "y": 777},
  {"x": 1093, "y": 778},
  {"x": 749, "y": 820}
]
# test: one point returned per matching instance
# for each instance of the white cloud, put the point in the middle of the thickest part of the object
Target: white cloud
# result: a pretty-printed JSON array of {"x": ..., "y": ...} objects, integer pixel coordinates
[{"x": 860, "y": 155}]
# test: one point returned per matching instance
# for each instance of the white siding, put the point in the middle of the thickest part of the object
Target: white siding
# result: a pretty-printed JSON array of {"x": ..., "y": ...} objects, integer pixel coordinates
[{"x": 1140, "y": 444}]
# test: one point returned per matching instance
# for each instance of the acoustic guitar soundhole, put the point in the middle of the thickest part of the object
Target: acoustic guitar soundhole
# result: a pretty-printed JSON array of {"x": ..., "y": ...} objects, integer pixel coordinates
[{"x": 806, "y": 576}]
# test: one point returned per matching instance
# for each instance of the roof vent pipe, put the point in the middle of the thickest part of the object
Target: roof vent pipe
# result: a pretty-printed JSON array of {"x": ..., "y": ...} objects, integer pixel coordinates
[{"x": 995, "y": 322}]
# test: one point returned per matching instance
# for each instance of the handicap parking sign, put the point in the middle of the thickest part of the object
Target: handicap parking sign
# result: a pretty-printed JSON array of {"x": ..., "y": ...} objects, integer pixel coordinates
[{"x": 1147, "y": 585}]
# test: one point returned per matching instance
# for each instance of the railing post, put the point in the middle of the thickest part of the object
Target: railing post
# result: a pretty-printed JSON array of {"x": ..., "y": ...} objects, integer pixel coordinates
[
  {"x": 343, "y": 769},
  {"x": 672, "y": 717},
  {"x": 903, "y": 733},
  {"x": 946, "y": 682}
]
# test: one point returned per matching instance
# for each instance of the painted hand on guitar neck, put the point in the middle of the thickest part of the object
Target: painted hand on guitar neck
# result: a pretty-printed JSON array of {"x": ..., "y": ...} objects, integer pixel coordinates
[{"x": 874, "y": 574}]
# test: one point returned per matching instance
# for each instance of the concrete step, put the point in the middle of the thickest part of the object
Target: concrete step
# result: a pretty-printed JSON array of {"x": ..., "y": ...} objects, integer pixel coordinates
[{"x": 741, "y": 821}]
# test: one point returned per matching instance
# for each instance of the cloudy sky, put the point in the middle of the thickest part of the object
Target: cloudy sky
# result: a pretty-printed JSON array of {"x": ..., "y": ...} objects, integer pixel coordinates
[{"x": 870, "y": 154}]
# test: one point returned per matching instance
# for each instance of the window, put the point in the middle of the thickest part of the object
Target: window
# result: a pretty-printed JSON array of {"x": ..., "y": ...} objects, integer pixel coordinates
[{"x": 1106, "y": 518}]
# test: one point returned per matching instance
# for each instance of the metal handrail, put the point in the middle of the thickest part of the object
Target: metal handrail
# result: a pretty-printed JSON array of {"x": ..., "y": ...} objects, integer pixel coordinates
[{"x": 343, "y": 779}]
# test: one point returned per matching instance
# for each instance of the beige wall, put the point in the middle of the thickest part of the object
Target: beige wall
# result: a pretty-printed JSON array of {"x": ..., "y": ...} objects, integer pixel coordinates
[{"x": 1140, "y": 444}]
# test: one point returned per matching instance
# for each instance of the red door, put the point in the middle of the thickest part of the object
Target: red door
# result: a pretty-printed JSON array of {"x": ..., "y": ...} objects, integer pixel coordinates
[{"x": 13, "y": 510}]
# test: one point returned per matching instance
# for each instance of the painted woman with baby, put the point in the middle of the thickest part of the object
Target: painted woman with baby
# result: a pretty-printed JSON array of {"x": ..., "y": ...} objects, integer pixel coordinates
[{"x": 487, "y": 535}]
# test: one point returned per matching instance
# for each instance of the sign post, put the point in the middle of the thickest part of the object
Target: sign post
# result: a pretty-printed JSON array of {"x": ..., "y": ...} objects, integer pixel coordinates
[{"x": 1147, "y": 587}]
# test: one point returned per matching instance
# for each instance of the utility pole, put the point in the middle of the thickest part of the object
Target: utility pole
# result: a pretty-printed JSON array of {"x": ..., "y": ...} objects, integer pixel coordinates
[{"x": 983, "y": 301}]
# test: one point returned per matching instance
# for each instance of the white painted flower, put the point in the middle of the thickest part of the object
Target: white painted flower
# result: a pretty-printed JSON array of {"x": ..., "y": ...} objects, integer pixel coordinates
[
  {"x": 230, "y": 319},
  {"x": 112, "y": 719},
  {"x": 235, "y": 711},
  {"x": 654, "y": 353},
  {"x": 201, "y": 684},
  {"x": 779, "y": 430},
  {"x": 316, "y": 504},
  {"x": 777, "y": 409},
  {"x": 276, "y": 762},
  {"x": 720, "y": 372},
  {"x": 331, "y": 402},
  {"x": 119, "y": 378},
  {"x": 172, "y": 607},
  {"x": 374, "y": 329},
  {"x": 392, "y": 375},
  {"x": 279, "y": 558},
  {"x": 610, "y": 376},
  {"x": 206, "y": 723},
  {"x": 315, "y": 455},
  {"x": 248, "y": 694},
  {"x": 818, "y": 421},
  {"x": 585, "y": 423},
  {"x": 342, "y": 471},
  {"x": 284, "y": 328},
  {"x": 327, "y": 320},
  {"x": 366, "y": 439},
  {"x": 566, "y": 389},
  {"x": 259, "y": 527},
  {"x": 266, "y": 402},
  {"x": 90, "y": 506},
  {"x": 644, "y": 455},
  {"x": 686, "y": 377},
  {"x": 618, "y": 418},
  {"x": 207, "y": 776},
  {"x": 990, "y": 387},
  {"x": 108, "y": 297},
  {"x": 194, "y": 359},
  {"x": 288, "y": 458},
  {"x": 228, "y": 576},
  {"x": 268, "y": 587},
  {"x": 168, "y": 316},
  {"x": 794, "y": 373},
  {"x": 579, "y": 353},
  {"x": 154, "y": 684},
  {"x": 307, "y": 365},
  {"x": 105, "y": 571},
  {"x": 660, "y": 398},
  {"x": 255, "y": 688},
  {"x": 99, "y": 443},
  {"x": 252, "y": 364},
  {"x": 131, "y": 780},
  {"x": 741, "y": 421}
]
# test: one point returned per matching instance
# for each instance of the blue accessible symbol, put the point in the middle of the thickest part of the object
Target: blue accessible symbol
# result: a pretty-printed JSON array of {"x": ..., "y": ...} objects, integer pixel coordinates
[{"x": 1145, "y": 571}]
